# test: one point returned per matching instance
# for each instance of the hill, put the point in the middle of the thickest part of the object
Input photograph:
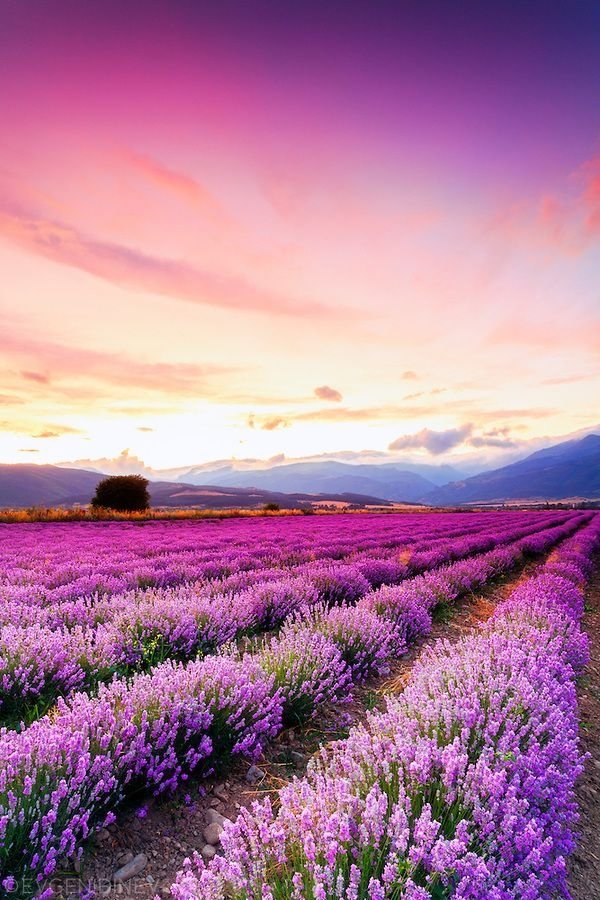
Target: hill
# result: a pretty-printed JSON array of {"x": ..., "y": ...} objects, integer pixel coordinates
[
  {"x": 564, "y": 471},
  {"x": 399, "y": 482},
  {"x": 23, "y": 485}
]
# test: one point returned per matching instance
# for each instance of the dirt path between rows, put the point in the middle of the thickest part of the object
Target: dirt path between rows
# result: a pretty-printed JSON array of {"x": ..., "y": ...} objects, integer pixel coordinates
[
  {"x": 585, "y": 863},
  {"x": 167, "y": 831}
]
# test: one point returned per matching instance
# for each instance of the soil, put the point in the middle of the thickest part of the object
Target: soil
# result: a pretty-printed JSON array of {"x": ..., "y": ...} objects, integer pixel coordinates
[
  {"x": 169, "y": 829},
  {"x": 585, "y": 862}
]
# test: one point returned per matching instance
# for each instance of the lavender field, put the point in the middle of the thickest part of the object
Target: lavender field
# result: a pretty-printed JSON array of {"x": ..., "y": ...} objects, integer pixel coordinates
[{"x": 135, "y": 658}]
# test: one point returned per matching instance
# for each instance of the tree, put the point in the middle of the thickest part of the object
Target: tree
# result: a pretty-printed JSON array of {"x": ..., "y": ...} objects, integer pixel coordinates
[{"x": 125, "y": 493}]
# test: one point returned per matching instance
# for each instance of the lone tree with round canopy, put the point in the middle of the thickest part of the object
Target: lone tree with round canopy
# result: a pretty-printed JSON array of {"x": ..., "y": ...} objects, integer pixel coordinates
[{"x": 124, "y": 493}]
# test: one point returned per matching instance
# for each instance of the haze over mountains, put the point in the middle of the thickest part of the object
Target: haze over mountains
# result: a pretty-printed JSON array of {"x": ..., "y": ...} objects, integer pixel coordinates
[
  {"x": 393, "y": 481},
  {"x": 568, "y": 470}
]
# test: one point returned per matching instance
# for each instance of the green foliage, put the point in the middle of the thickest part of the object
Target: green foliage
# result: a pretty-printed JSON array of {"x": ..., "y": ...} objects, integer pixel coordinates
[{"x": 125, "y": 493}]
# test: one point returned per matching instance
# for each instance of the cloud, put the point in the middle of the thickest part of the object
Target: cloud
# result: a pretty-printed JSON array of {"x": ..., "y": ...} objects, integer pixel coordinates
[
  {"x": 144, "y": 428},
  {"x": 38, "y": 377},
  {"x": 53, "y": 431},
  {"x": 182, "y": 186},
  {"x": 28, "y": 450},
  {"x": 485, "y": 441},
  {"x": 409, "y": 375},
  {"x": 568, "y": 379},
  {"x": 365, "y": 414},
  {"x": 567, "y": 221},
  {"x": 16, "y": 426},
  {"x": 530, "y": 413},
  {"x": 438, "y": 442},
  {"x": 126, "y": 463},
  {"x": 548, "y": 335},
  {"x": 328, "y": 393},
  {"x": 432, "y": 393},
  {"x": 139, "y": 410},
  {"x": 134, "y": 269},
  {"x": 274, "y": 423},
  {"x": 435, "y": 442},
  {"x": 270, "y": 423},
  {"x": 66, "y": 363}
]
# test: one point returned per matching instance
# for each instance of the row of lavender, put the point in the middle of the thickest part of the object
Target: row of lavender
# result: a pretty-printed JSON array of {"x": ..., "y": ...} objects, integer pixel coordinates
[
  {"x": 420, "y": 549},
  {"x": 94, "y": 640},
  {"x": 462, "y": 788},
  {"x": 48, "y": 564},
  {"x": 65, "y": 774}
]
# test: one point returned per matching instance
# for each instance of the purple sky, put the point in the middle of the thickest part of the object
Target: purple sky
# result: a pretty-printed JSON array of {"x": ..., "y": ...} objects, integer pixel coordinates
[{"x": 209, "y": 211}]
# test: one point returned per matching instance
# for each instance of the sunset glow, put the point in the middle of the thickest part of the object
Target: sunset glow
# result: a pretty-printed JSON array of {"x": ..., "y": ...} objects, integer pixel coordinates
[{"x": 299, "y": 230}]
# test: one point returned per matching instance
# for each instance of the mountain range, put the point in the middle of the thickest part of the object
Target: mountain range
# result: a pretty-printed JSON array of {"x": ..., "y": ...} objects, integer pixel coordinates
[
  {"x": 569, "y": 470},
  {"x": 391, "y": 481},
  {"x": 23, "y": 485}
]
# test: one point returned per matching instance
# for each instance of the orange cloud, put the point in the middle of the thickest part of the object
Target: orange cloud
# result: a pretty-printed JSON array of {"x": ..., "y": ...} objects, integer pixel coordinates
[
  {"x": 53, "y": 431},
  {"x": 369, "y": 413},
  {"x": 270, "y": 423}
]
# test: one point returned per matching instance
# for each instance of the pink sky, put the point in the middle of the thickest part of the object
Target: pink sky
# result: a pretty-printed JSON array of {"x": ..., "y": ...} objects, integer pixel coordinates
[{"x": 332, "y": 232}]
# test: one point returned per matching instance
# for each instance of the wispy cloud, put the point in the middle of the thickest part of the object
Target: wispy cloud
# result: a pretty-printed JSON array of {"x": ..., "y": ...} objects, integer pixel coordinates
[
  {"x": 134, "y": 269},
  {"x": 566, "y": 220},
  {"x": 534, "y": 412},
  {"x": 22, "y": 427},
  {"x": 548, "y": 335},
  {"x": 38, "y": 377},
  {"x": 184, "y": 187},
  {"x": 568, "y": 379},
  {"x": 54, "y": 431},
  {"x": 362, "y": 414},
  {"x": 267, "y": 423},
  {"x": 418, "y": 394},
  {"x": 63, "y": 363}
]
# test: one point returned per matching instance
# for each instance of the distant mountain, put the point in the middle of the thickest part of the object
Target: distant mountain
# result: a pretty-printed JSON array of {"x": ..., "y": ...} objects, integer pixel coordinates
[
  {"x": 567, "y": 470},
  {"x": 392, "y": 481},
  {"x": 207, "y": 496},
  {"x": 23, "y": 485}
]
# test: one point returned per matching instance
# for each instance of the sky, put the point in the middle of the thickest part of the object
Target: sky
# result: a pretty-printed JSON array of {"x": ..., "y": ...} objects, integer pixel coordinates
[{"x": 261, "y": 230}]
